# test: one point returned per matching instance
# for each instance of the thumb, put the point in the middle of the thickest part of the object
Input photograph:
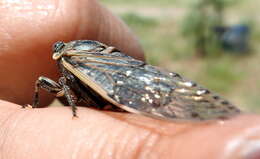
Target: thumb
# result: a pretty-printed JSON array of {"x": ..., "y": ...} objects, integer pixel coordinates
[
  {"x": 28, "y": 29},
  {"x": 51, "y": 133}
]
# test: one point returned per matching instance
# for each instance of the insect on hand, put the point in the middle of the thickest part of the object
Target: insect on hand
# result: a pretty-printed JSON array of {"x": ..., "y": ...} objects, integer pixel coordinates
[{"x": 100, "y": 75}]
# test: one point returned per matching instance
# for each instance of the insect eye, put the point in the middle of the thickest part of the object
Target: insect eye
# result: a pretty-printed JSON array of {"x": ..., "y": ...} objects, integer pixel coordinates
[{"x": 58, "y": 46}]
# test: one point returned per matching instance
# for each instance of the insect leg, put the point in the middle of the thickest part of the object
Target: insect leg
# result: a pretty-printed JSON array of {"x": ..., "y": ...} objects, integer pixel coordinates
[
  {"x": 68, "y": 94},
  {"x": 46, "y": 84}
]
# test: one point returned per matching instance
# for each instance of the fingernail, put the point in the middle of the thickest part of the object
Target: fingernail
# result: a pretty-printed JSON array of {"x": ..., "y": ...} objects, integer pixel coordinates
[
  {"x": 245, "y": 147},
  {"x": 251, "y": 149}
]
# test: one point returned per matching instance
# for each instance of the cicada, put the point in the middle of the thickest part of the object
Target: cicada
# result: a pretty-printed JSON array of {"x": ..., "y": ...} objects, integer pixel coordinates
[{"x": 101, "y": 75}]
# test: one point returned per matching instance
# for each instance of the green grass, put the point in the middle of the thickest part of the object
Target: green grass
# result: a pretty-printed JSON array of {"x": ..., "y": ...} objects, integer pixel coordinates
[
  {"x": 138, "y": 22},
  {"x": 254, "y": 103},
  {"x": 221, "y": 75},
  {"x": 159, "y": 37}
]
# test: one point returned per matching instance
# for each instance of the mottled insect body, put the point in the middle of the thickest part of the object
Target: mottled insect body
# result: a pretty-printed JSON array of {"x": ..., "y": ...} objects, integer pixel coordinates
[{"x": 99, "y": 75}]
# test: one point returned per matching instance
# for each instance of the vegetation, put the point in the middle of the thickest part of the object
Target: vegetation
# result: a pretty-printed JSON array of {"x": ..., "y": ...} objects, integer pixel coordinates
[{"x": 204, "y": 16}]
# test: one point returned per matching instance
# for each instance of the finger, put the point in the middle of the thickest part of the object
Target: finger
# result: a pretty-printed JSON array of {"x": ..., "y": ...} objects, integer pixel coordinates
[
  {"x": 96, "y": 134},
  {"x": 29, "y": 28}
]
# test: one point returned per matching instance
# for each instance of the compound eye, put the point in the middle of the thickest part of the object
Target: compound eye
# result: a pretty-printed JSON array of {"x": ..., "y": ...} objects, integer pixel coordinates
[{"x": 57, "y": 46}]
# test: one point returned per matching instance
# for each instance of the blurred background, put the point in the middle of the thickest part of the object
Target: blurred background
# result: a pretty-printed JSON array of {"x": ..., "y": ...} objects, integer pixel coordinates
[{"x": 213, "y": 42}]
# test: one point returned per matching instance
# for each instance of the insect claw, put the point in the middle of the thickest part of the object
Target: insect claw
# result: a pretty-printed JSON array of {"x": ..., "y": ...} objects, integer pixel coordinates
[
  {"x": 25, "y": 106},
  {"x": 75, "y": 117}
]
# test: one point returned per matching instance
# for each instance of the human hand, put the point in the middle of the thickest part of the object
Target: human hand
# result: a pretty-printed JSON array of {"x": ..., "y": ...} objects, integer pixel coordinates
[{"x": 27, "y": 31}]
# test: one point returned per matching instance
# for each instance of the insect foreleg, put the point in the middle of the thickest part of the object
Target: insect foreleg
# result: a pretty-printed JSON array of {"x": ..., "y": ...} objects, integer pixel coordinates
[{"x": 46, "y": 84}]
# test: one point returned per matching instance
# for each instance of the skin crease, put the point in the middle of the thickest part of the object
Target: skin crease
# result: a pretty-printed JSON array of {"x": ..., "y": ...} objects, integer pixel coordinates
[{"x": 27, "y": 31}]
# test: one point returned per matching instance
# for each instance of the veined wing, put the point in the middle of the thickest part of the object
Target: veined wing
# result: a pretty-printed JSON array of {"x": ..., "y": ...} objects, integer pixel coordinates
[{"x": 140, "y": 88}]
